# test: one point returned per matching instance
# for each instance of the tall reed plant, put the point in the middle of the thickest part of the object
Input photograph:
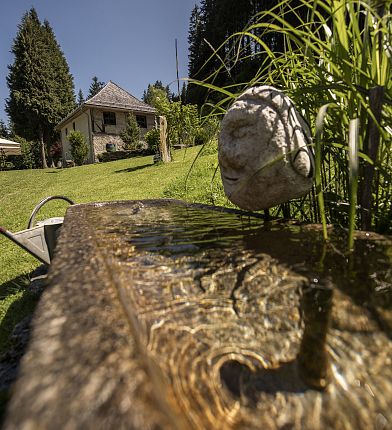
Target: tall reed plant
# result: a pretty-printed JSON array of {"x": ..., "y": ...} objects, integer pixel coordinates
[{"x": 335, "y": 65}]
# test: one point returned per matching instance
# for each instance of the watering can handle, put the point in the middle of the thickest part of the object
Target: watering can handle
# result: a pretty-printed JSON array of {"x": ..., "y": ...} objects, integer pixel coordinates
[{"x": 41, "y": 203}]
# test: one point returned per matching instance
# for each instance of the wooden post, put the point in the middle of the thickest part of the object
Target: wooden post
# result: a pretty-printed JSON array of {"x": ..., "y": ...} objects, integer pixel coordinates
[{"x": 163, "y": 145}]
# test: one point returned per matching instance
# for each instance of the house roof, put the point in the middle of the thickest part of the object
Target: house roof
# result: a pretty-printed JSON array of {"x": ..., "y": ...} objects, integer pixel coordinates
[
  {"x": 10, "y": 147},
  {"x": 111, "y": 96}
]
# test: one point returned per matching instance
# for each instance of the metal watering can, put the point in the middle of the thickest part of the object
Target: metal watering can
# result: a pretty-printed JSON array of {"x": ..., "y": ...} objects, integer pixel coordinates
[{"x": 40, "y": 239}]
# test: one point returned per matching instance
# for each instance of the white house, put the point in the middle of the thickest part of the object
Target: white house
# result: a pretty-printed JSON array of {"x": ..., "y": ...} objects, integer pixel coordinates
[
  {"x": 9, "y": 147},
  {"x": 102, "y": 118}
]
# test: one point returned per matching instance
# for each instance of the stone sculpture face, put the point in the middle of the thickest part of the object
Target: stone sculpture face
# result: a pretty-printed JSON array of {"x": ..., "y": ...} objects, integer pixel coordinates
[{"x": 264, "y": 152}]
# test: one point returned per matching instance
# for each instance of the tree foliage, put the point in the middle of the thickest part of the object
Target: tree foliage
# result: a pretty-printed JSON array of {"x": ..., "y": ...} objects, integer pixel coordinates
[
  {"x": 220, "y": 59},
  {"x": 79, "y": 147},
  {"x": 80, "y": 98},
  {"x": 150, "y": 93},
  {"x": 152, "y": 137},
  {"x": 41, "y": 86},
  {"x": 4, "y": 133},
  {"x": 184, "y": 126},
  {"x": 30, "y": 153},
  {"x": 131, "y": 134},
  {"x": 95, "y": 87}
]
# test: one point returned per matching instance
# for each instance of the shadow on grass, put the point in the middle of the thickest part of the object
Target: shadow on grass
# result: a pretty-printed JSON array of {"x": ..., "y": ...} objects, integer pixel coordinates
[
  {"x": 15, "y": 328},
  {"x": 134, "y": 169}
]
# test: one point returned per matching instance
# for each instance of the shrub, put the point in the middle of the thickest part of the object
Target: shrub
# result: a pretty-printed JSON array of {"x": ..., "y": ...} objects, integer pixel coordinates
[
  {"x": 131, "y": 134},
  {"x": 152, "y": 137},
  {"x": 207, "y": 132},
  {"x": 79, "y": 147},
  {"x": 31, "y": 154},
  {"x": 3, "y": 160}
]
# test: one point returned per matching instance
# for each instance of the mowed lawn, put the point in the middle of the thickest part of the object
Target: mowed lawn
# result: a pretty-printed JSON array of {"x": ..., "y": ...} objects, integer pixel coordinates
[{"x": 136, "y": 178}]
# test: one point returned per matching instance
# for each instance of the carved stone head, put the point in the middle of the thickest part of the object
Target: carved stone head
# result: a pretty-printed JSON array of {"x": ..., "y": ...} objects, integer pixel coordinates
[{"x": 264, "y": 153}]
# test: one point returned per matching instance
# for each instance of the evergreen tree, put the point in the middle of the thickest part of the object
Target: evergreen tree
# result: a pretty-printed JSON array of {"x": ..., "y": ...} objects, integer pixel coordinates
[
  {"x": 237, "y": 60},
  {"x": 131, "y": 134},
  {"x": 41, "y": 87},
  {"x": 4, "y": 133},
  {"x": 80, "y": 97},
  {"x": 95, "y": 87},
  {"x": 183, "y": 97},
  {"x": 62, "y": 97},
  {"x": 148, "y": 96},
  {"x": 195, "y": 41}
]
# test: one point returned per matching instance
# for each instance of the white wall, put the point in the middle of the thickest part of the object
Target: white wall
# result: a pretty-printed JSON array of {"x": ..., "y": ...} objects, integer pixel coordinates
[{"x": 81, "y": 123}]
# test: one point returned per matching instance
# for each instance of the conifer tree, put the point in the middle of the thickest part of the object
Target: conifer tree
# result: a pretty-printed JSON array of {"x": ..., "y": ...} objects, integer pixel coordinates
[
  {"x": 183, "y": 97},
  {"x": 3, "y": 130},
  {"x": 41, "y": 87},
  {"x": 131, "y": 134},
  {"x": 149, "y": 95},
  {"x": 80, "y": 97},
  {"x": 95, "y": 87},
  {"x": 62, "y": 95},
  {"x": 195, "y": 41},
  {"x": 211, "y": 25}
]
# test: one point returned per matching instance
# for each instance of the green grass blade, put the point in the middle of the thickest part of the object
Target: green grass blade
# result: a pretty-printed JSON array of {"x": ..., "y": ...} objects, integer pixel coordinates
[{"x": 353, "y": 179}]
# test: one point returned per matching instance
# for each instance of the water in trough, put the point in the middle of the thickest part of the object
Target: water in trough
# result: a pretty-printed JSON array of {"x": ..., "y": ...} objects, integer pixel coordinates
[{"x": 243, "y": 323}]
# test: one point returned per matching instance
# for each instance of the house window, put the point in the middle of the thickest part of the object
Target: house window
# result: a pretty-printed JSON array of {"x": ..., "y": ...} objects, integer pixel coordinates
[
  {"x": 141, "y": 121},
  {"x": 73, "y": 125},
  {"x": 66, "y": 131},
  {"x": 109, "y": 118}
]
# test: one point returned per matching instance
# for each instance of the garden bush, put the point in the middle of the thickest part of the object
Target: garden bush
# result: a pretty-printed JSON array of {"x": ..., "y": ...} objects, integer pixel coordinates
[
  {"x": 79, "y": 147},
  {"x": 152, "y": 137},
  {"x": 131, "y": 134}
]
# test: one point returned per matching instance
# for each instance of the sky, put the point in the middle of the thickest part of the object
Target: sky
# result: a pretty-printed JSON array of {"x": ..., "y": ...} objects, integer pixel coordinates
[{"x": 129, "y": 42}]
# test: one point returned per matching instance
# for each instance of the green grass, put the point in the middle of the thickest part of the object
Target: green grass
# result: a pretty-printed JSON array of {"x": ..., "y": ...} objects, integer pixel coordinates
[{"x": 127, "y": 179}]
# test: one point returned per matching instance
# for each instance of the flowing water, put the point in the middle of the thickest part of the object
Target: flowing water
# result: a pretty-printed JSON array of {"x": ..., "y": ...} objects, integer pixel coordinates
[{"x": 256, "y": 324}]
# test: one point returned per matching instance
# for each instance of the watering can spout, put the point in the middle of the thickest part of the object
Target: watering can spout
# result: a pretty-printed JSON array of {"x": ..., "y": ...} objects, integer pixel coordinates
[{"x": 39, "y": 240}]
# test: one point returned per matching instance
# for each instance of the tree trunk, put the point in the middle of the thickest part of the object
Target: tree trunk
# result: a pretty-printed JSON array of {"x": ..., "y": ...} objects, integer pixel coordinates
[
  {"x": 42, "y": 143},
  {"x": 47, "y": 139}
]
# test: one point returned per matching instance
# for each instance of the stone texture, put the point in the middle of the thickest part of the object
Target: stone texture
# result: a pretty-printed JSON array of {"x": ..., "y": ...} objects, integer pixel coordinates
[
  {"x": 263, "y": 154},
  {"x": 100, "y": 140}
]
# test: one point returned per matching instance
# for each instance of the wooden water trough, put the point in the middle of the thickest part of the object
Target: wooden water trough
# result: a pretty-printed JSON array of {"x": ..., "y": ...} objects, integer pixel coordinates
[{"x": 166, "y": 315}]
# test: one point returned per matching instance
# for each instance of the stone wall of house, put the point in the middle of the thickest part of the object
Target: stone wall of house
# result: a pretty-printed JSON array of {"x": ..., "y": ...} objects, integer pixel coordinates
[
  {"x": 121, "y": 121},
  {"x": 101, "y": 139},
  {"x": 103, "y": 135}
]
